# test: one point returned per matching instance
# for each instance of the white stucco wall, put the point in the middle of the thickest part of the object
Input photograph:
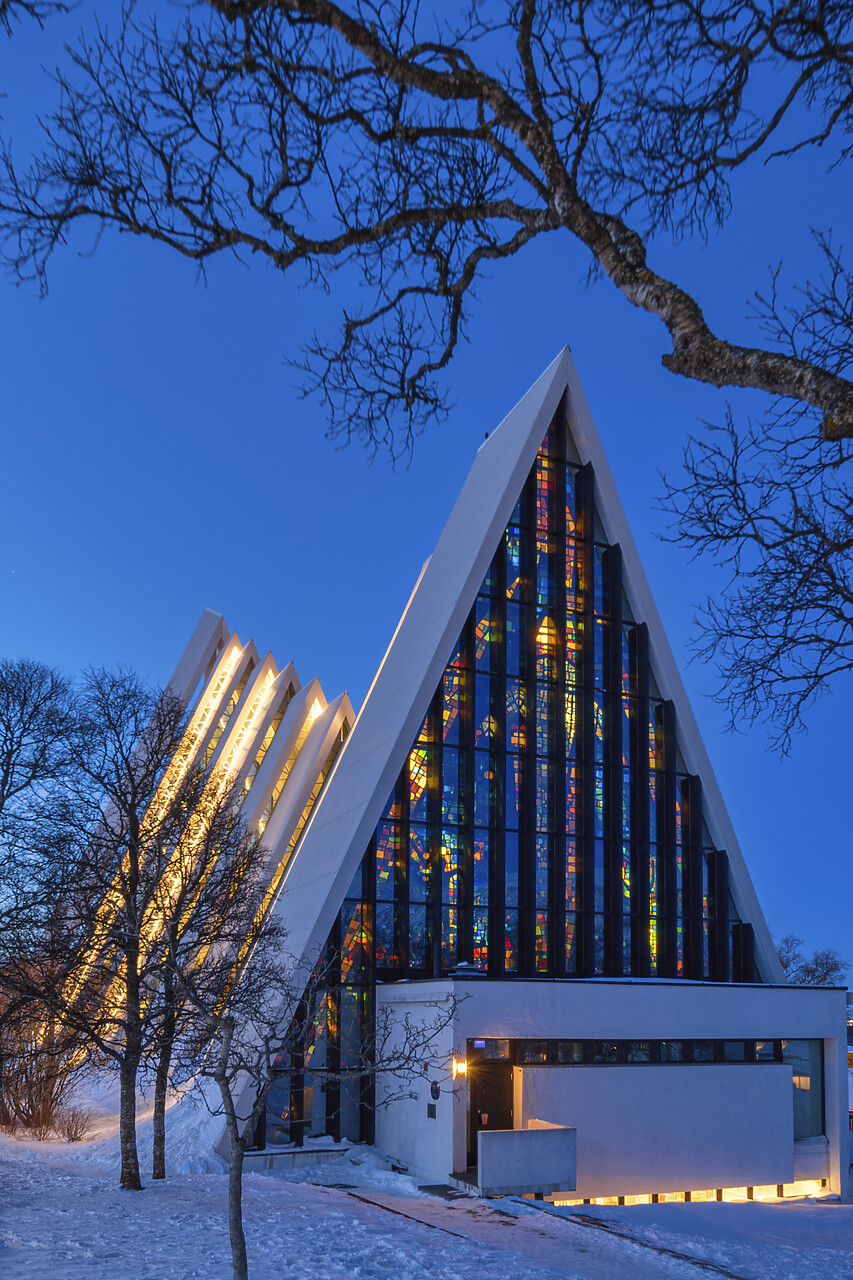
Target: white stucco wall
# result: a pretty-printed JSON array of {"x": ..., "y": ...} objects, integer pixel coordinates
[
  {"x": 667, "y": 1128},
  {"x": 631, "y": 1009},
  {"x": 405, "y": 1131}
]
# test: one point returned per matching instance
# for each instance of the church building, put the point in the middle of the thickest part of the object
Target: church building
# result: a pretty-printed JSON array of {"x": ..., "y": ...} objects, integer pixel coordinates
[{"x": 521, "y": 826}]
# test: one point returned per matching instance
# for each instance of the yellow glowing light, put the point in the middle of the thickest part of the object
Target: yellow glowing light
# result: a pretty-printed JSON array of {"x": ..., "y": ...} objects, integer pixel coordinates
[
  {"x": 460, "y": 1067},
  {"x": 316, "y": 709},
  {"x": 546, "y": 636}
]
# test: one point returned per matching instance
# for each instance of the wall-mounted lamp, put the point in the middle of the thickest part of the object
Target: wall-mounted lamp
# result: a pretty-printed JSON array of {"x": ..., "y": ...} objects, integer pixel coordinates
[{"x": 460, "y": 1067}]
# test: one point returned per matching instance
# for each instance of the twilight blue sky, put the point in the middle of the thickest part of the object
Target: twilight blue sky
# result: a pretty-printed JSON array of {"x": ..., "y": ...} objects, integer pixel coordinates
[{"x": 156, "y": 459}]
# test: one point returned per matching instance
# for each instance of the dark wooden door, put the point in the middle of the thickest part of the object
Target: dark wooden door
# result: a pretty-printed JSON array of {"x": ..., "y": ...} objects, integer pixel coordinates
[{"x": 490, "y": 1086}]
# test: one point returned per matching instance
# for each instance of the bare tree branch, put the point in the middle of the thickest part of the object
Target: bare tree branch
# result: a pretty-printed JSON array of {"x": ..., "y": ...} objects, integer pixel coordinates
[
  {"x": 415, "y": 150},
  {"x": 826, "y": 968},
  {"x": 15, "y": 10}
]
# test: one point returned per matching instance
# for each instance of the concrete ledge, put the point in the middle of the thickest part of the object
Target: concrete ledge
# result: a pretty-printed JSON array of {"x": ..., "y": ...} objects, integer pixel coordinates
[
  {"x": 540, "y": 1160},
  {"x": 291, "y": 1158},
  {"x": 811, "y": 1159}
]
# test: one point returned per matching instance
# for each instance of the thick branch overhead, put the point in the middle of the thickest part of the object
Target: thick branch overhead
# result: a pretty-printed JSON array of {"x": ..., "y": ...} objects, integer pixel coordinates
[{"x": 412, "y": 148}]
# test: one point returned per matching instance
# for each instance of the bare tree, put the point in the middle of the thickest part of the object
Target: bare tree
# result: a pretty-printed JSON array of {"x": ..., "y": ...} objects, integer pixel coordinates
[
  {"x": 86, "y": 971},
  {"x": 144, "y": 850},
  {"x": 35, "y": 724},
  {"x": 826, "y": 968},
  {"x": 35, "y": 719},
  {"x": 211, "y": 903},
  {"x": 771, "y": 502},
  {"x": 15, "y": 10},
  {"x": 257, "y": 1022},
  {"x": 41, "y": 1063},
  {"x": 420, "y": 145}
]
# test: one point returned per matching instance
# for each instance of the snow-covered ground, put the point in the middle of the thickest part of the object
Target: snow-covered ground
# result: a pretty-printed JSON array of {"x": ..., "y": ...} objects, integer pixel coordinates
[{"x": 62, "y": 1217}]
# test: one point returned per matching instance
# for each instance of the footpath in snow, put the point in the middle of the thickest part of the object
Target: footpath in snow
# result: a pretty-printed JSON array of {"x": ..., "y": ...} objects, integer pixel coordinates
[{"x": 63, "y": 1217}]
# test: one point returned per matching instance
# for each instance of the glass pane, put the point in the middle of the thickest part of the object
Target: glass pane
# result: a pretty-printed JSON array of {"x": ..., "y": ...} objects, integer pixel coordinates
[
  {"x": 450, "y": 785},
  {"x": 511, "y": 941},
  {"x": 387, "y": 860},
  {"x": 513, "y": 638},
  {"x": 544, "y": 795},
  {"x": 511, "y": 869},
  {"x": 569, "y": 1051},
  {"x": 483, "y": 634},
  {"x": 450, "y": 715},
  {"x": 544, "y": 720},
  {"x": 571, "y": 943},
  {"x": 356, "y": 942},
  {"x": 543, "y": 863},
  {"x": 448, "y": 937},
  {"x": 418, "y": 864},
  {"x": 484, "y": 723},
  {"x": 484, "y": 788},
  {"x": 672, "y": 1051},
  {"x": 481, "y": 938},
  {"x": 512, "y": 792},
  {"x": 516, "y": 708},
  {"x": 449, "y": 866},
  {"x": 481, "y": 868},
  {"x": 533, "y": 1051},
  {"x": 571, "y": 874},
  {"x": 805, "y": 1058},
  {"x": 386, "y": 947},
  {"x": 418, "y": 941},
  {"x": 418, "y": 765},
  {"x": 513, "y": 565},
  {"x": 541, "y": 942}
]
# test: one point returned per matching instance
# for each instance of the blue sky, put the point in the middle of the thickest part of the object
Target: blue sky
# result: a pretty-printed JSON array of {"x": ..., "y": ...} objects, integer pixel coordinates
[{"x": 157, "y": 460}]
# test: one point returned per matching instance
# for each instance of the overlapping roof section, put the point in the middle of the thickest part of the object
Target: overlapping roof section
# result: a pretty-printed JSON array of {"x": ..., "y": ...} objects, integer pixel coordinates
[{"x": 259, "y": 731}]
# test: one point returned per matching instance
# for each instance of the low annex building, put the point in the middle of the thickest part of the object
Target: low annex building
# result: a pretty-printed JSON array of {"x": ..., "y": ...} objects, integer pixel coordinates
[{"x": 524, "y": 815}]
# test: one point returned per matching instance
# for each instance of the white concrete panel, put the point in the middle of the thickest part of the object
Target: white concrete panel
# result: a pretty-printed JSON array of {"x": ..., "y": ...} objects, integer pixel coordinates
[
  {"x": 643, "y": 1009},
  {"x": 515, "y": 1162},
  {"x": 811, "y": 1159},
  {"x": 667, "y": 1128},
  {"x": 406, "y": 1130},
  {"x": 210, "y": 631}
]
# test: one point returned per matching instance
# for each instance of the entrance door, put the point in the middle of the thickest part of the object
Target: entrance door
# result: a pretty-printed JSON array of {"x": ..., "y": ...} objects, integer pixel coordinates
[{"x": 489, "y": 1094}]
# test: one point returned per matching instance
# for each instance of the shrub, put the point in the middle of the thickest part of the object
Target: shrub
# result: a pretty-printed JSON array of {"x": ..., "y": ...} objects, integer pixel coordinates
[{"x": 73, "y": 1124}]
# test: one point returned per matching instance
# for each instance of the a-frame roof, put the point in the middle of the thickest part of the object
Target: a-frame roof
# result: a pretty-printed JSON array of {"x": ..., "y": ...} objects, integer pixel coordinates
[{"x": 344, "y": 818}]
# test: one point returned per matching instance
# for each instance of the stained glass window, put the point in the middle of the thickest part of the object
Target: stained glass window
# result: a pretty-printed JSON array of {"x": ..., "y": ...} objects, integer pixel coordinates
[{"x": 517, "y": 818}]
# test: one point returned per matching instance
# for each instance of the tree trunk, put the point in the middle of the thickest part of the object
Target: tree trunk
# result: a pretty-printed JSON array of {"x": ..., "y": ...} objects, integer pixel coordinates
[
  {"x": 239, "y": 1259},
  {"x": 161, "y": 1084},
  {"x": 130, "y": 1180}
]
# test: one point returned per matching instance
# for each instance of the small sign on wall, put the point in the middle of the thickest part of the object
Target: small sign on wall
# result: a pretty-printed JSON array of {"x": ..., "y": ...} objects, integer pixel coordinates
[{"x": 435, "y": 1091}]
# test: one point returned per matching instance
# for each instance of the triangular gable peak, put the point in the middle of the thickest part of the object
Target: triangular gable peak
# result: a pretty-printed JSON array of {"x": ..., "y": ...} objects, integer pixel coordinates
[
  {"x": 327, "y": 862},
  {"x": 662, "y": 662}
]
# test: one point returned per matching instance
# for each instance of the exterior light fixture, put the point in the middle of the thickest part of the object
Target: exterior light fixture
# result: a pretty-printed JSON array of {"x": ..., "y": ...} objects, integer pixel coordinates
[{"x": 460, "y": 1067}]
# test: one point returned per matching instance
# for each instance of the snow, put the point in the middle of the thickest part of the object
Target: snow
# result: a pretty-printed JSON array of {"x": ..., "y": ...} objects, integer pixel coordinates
[{"x": 63, "y": 1217}]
